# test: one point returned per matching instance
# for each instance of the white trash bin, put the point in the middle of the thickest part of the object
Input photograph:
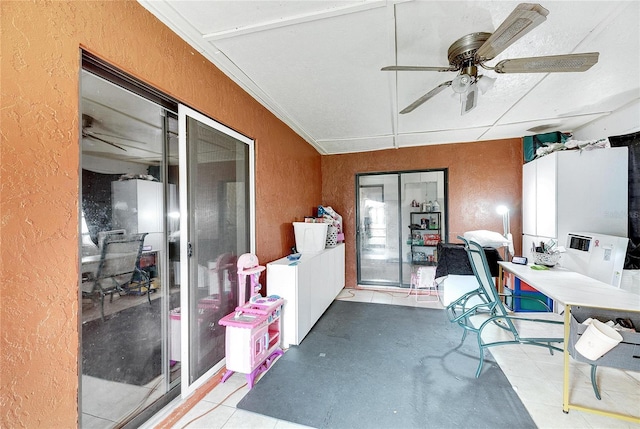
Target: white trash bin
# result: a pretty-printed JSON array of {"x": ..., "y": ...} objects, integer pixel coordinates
[{"x": 597, "y": 340}]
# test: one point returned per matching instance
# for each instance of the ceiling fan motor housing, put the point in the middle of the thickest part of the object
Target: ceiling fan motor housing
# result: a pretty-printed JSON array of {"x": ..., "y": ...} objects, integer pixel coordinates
[{"x": 462, "y": 52}]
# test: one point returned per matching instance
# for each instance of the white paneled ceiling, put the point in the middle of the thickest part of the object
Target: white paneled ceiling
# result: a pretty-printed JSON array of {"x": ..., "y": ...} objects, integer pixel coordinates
[{"x": 316, "y": 65}]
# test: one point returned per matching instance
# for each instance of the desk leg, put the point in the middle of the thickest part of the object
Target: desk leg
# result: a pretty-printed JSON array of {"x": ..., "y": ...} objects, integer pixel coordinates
[
  {"x": 565, "y": 383},
  {"x": 499, "y": 281}
]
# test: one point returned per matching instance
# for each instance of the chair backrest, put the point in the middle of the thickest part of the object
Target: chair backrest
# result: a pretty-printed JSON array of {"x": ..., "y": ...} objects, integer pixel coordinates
[
  {"x": 480, "y": 267},
  {"x": 102, "y": 235},
  {"x": 119, "y": 259}
]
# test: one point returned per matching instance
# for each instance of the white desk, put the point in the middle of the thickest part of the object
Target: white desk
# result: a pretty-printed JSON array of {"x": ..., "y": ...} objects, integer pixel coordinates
[{"x": 569, "y": 288}]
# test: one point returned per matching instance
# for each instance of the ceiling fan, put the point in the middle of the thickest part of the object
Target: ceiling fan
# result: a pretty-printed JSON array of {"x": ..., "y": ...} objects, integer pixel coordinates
[
  {"x": 88, "y": 131},
  {"x": 474, "y": 50}
]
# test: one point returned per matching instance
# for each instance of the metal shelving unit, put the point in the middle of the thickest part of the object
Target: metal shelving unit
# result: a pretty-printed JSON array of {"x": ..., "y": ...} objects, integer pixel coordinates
[{"x": 426, "y": 230}]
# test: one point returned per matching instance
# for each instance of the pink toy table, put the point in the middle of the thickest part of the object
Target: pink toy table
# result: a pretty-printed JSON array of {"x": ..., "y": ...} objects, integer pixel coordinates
[{"x": 253, "y": 330}]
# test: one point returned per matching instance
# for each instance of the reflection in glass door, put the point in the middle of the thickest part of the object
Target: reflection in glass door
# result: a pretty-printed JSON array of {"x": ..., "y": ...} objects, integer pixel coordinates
[
  {"x": 377, "y": 232},
  {"x": 374, "y": 224},
  {"x": 128, "y": 187},
  {"x": 401, "y": 218},
  {"x": 156, "y": 334},
  {"x": 217, "y": 219}
]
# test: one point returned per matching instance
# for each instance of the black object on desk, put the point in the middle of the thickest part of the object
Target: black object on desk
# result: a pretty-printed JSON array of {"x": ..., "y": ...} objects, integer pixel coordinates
[
  {"x": 453, "y": 259},
  {"x": 519, "y": 260}
]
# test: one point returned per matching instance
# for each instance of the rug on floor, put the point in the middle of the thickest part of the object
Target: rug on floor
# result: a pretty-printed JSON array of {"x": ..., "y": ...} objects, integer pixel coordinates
[
  {"x": 385, "y": 366},
  {"x": 125, "y": 347}
]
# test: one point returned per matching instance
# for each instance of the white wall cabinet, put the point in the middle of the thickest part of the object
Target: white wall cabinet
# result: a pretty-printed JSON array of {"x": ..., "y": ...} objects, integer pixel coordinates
[
  {"x": 137, "y": 207},
  {"x": 574, "y": 190},
  {"x": 308, "y": 288},
  {"x": 529, "y": 198}
]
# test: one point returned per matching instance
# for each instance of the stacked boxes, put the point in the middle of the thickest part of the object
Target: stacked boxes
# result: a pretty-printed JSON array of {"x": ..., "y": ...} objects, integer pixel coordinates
[{"x": 522, "y": 297}]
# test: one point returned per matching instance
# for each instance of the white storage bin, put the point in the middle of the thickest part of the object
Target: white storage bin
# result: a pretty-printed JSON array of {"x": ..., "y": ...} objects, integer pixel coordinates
[{"x": 310, "y": 237}]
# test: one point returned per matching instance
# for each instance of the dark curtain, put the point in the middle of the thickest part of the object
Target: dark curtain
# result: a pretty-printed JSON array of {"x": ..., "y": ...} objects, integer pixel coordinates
[{"x": 632, "y": 141}]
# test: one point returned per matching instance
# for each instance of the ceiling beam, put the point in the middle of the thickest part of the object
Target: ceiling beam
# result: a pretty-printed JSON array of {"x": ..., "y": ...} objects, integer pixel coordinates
[{"x": 293, "y": 20}]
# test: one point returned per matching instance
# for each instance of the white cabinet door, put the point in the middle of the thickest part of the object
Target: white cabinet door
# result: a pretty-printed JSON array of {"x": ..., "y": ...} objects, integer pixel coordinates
[
  {"x": 339, "y": 270},
  {"x": 308, "y": 273},
  {"x": 529, "y": 203},
  {"x": 546, "y": 196},
  {"x": 283, "y": 281},
  {"x": 137, "y": 207},
  {"x": 149, "y": 206}
]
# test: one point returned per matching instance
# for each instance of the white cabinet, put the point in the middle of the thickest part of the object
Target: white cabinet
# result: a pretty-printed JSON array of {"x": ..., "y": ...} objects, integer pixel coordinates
[
  {"x": 529, "y": 206},
  {"x": 308, "y": 288},
  {"x": 137, "y": 207},
  {"x": 547, "y": 194},
  {"x": 574, "y": 190}
]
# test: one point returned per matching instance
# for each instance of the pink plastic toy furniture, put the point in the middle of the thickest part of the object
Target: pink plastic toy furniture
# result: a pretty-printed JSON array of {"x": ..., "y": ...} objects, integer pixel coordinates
[{"x": 253, "y": 330}]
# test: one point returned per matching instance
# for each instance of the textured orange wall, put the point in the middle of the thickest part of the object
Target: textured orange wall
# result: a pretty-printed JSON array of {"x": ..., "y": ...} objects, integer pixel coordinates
[
  {"x": 481, "y": 176},
  {"x": 40, "y": 178}
]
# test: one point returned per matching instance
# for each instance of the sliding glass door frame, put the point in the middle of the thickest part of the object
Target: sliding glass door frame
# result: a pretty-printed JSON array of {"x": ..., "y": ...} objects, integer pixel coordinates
[
  {"x": 403, "y": 275},
  {"x": 169, "y": 162},
  {"x": 187, "y": 276}
]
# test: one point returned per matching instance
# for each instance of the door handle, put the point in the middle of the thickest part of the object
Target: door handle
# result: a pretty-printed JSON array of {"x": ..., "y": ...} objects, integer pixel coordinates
[{"x": 189, "y": 250}]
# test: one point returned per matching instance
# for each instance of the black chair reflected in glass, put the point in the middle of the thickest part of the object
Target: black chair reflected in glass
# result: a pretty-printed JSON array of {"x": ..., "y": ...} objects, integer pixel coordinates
[{"x": 119, "y": 269}]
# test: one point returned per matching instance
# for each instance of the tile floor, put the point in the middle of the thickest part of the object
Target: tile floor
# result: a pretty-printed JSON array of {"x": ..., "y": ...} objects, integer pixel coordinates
[{"x": 534, "y": 374}]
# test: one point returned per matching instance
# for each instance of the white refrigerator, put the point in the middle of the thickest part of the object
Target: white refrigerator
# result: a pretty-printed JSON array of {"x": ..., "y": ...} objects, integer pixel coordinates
[{"x": 574, "y": 190}]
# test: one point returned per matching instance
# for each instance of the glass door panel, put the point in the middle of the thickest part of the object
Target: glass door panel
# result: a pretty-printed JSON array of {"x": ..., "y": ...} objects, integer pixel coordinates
[
  {"x": 218, "y": 224},
  {"x": 378, "y": 229},
  {"x": 126, "y": 372}
]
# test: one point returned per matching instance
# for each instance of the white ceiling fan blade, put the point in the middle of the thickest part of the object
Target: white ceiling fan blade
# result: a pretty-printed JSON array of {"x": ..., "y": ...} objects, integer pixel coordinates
[
  {"x": 112, "y": 136},
  {"x": 425, "y": 97},
  {"x": 524, "y": 18},
  {"x": 417, "y": 68},
  {"x": 90, "y": 136},
  {"x": 549, "y": 64}
]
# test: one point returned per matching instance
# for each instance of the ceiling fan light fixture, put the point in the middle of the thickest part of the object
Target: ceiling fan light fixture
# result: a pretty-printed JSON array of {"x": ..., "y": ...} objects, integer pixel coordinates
[
  {"x": 485, "y": 83},
  {"x": 461, "y": 83}
]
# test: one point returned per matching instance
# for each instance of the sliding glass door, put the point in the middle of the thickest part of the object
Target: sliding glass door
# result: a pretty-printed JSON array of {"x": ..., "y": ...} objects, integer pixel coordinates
[
  {"x": 393, "y": 238},
  {"x": 154, "y": 168},
  {"x": 217, "y": 217}
]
